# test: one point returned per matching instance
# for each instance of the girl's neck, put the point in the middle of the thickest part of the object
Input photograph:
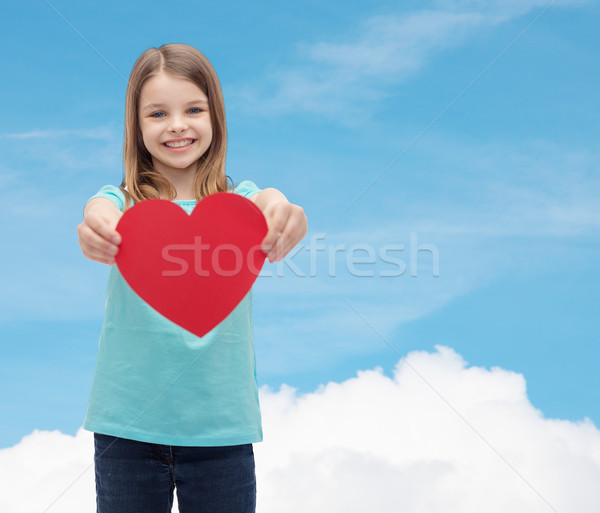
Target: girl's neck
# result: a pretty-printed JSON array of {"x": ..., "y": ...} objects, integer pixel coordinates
[
  {"x": 182, "y": 180},
  {"x": 182, "y": 197}
]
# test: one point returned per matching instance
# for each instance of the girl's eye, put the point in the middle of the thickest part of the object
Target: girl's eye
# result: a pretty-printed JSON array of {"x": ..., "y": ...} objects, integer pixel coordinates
[
  {"x": 156, "y": 115},
  {"x": 196, "y": 109}
]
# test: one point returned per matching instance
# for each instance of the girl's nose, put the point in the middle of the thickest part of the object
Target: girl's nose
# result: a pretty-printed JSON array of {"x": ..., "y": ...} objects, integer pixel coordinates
[{"x": 177, "y": 124}]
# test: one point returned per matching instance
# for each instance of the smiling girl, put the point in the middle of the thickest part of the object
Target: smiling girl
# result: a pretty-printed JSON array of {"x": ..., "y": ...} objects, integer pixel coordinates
[{"x": 170, "y": 410}]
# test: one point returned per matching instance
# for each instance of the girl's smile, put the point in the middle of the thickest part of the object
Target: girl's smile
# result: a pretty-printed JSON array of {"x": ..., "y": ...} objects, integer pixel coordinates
[{"x": 179, "y": 145}]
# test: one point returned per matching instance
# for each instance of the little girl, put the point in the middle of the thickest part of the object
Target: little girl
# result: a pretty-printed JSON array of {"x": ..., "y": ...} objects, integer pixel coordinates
[{"x": 170, "y": 410}]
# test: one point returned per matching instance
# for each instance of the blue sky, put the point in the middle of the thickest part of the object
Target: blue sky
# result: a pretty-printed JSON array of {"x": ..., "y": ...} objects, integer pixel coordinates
[{"x": 321, "y": 100}]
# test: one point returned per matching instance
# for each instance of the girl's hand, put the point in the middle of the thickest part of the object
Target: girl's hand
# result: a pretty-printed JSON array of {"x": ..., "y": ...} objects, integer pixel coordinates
[
  {"x": 98, "y": 237},
  {"x": 287, "y": 225}
]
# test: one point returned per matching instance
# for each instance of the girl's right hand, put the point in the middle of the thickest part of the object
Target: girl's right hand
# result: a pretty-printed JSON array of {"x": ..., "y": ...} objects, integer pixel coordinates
[{"x": 98, "y": 237}]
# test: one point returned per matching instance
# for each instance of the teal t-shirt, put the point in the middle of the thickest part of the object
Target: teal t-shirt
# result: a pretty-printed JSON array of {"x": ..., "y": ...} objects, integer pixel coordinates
[{"x": 157, "y": 382}]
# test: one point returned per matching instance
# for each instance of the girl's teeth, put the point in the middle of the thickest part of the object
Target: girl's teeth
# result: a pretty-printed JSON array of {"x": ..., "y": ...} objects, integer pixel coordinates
[{"x": 178, "y": 144}]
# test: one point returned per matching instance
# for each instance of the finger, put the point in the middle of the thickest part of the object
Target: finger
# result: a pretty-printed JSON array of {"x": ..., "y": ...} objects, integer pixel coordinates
[
  {"x": 102, "y": 227},
  {"x": 277, "y": 224},
  {"x": 94, "y": 255},
  {"x": 271, "y": 240},
  {"x": 276, "y": 248},
  {"x": 94, "y": 244},
  {"x": 104, "y": 260},
  {"x": 276, "y": 227},
  {"x": 283, "y": 250},
  {"x": 289, "y": 239},
  {"x": 97, "y": 256},
  {"x": 294, "y": 230}
]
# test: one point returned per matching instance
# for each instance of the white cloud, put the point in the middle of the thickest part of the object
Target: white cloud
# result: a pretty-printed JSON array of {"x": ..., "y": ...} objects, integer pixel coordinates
[
  {"x": 99, "y": 133},
  {"x": 380, "y": 444},
  {"x": 504, "y": 9},
  {"x": 529, "y": 188},
  {"x": 374, "y": 443},
  {"x": 36, "y": 472},
  {"x": 61, "y": 154},
  {"x": 393, "y": 44},
  {"x": 336, "y": 77}
]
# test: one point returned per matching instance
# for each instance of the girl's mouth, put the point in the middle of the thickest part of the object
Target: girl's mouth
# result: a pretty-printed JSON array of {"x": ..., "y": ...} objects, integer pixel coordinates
[{"x": 179, "y": 145}]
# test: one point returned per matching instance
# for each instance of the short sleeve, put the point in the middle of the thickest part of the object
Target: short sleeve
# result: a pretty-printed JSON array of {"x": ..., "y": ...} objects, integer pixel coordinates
[
  {"x": 112, "y": 193},
  {"x": 247, "y": 189}
]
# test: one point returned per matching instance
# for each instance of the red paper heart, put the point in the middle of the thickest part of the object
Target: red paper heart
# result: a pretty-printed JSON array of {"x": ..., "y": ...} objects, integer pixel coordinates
[{"x": 193, "y": 269}]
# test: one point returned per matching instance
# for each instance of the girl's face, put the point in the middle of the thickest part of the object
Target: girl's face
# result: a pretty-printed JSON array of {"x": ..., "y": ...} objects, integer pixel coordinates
[{"x": 175, "y": 123}]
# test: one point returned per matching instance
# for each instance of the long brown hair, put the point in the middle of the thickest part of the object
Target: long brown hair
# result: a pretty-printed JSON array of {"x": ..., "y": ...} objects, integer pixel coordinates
[{"x": 142, "y": 182}]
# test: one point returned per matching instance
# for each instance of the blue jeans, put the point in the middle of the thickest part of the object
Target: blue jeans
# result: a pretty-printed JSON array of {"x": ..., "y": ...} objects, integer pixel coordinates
[{"x": 139, "y": 477}]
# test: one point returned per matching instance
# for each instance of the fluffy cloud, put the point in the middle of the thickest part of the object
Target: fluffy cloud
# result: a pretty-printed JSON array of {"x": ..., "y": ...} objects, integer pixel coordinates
[
  {"x": 437, "y": 436},
  {"x": 334, "y": 77},
  {"x": 48, "y": 471}
]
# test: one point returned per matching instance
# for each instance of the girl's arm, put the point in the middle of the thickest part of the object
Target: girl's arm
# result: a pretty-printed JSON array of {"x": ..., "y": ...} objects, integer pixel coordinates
[
  {"x": 98, "y": 238},
  {"x": 286, "y": 222}
]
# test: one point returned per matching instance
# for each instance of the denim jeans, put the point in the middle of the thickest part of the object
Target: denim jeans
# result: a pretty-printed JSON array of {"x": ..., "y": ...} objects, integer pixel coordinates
[{"x": 139, "y": 477}]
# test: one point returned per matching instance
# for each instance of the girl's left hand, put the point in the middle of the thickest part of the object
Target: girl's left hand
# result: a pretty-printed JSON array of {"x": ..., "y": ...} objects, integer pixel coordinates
[{"x": 287, "y": 225}]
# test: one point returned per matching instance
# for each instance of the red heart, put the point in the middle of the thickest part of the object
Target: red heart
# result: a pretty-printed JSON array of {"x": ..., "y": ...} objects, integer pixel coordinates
[{"x": 193, "y": 269}]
